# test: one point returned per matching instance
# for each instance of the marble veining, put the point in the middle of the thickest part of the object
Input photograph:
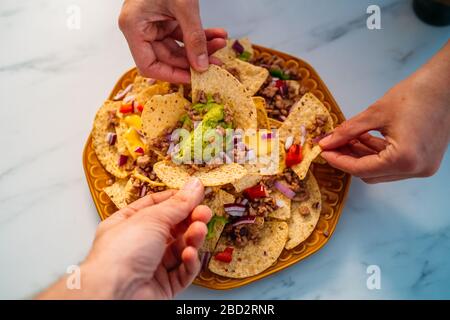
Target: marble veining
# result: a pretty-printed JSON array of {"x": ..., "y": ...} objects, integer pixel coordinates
[{"x": 53, "y": 79}]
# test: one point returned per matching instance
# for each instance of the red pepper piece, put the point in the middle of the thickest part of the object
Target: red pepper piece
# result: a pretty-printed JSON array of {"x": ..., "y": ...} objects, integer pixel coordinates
[
  {"x": 294, "y": 155},
  {"x": 126, "y": 108},
  {"x": 255, "y": 192},
  {"x": 225, "y": 256}
]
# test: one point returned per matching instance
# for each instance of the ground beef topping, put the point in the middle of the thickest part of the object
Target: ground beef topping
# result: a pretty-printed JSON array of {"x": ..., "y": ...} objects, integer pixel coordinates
[
  {"x": 140, "y": 188},
  {"x": 317, "y": 128},
  {"x": 280, "y": 94},
  {"x": 292, "y": 180}
]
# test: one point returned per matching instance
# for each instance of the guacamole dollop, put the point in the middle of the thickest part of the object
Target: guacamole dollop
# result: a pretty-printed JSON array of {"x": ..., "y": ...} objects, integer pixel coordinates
[{"x": 213, "y": 117}]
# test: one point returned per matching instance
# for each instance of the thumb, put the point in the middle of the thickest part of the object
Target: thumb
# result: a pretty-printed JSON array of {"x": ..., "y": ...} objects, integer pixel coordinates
[
  {"x": 187, "y": 14},
  {"x": 369, "y": 119},
  {"x": 181, "y": 204}
]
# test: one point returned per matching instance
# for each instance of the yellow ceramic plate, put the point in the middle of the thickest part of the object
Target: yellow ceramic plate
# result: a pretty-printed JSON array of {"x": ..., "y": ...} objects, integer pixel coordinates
[{"x": 333, "y": 184}]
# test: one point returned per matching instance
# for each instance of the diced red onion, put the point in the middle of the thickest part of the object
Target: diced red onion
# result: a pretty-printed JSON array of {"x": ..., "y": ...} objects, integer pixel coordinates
[
  {"x": 320, "y": 137},
  {"x": 236, "y": 213},
  {"x": 151, "y": 81},
  {"x": 244, "y": 220},
  {"x": 143, "y": 191},
  {"x": 204, "y": 259},
  {"x": 123, "y": 93},
  {"x": 196, "y": 124},
  {"x": 128, "y": 99},
  {"x": 282, "y": 118},
  {"x": 122, "y": 160},
  {"x": 266, "y": 136},
  {"x": 244, "y": 202},
  {"x": 139, "y": 150},
  {"x": 111, "y": 138},
  {"x": 237, "y": 46},
  {"x": 140, "y": 133},
  {"x": 302, "y": 135},
  {"x": 234, "y": 207},
  {"x": 289, "y": 142},
  {"x": 284, "y": 189},
  {"x": 208, "y": 190},
  {"x": 283, "y": 90},
  {"x": 280, "y": 203}
]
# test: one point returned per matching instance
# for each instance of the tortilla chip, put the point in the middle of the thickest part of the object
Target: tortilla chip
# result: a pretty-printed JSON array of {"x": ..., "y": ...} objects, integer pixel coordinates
[
  {"x": 274, "y": 163},
  {"x": 247, "y": 181},
  {"x": 175, "y": 176},
  {"x": 261, "y": 113},
  {"x": 304, "y": 113},
  {"x": 232, "y": 93},
  {"x": 252, "y": 77},
  {"x": 140, "y": 83},
  {"x": 216, "y": 204},
  {"x": 301, "y": 226},
  {"x": 309, "y": 154},
  {"x": 108, "y": 155},
  {"x": 121, "y": 144},
  {"x": 156, "y": 89},
  {"x": 227, "y": 53},
  {"x": 320, "y": 160},
  {"x": 118, "y": 192},
  {"x": 284, "y": 212},
  {"x": 161, "y": 113},
  {"x": 253, "y": 258},
  {"x": 274, "y": 124}
]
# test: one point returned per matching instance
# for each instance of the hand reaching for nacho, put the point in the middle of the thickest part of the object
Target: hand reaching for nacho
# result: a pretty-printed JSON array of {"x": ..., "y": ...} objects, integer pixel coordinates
[
  {"x": 414, "y": 119},
  {"x": 147, "y": 250},
  {"x": 153, "y": 29}
]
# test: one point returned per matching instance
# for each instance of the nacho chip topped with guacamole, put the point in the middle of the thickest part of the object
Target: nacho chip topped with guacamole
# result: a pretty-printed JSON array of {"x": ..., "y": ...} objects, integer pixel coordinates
[{"x": 232, "y": 92}]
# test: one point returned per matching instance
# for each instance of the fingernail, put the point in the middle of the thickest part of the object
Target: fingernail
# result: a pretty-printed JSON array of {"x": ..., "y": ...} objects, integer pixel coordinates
[
  {"x": 192, "y": 184},
  {"x": 203, "y": 61}
]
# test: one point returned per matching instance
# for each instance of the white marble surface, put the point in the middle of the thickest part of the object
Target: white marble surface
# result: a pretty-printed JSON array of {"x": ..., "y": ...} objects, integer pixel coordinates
[{"x": 53, "y": 79}]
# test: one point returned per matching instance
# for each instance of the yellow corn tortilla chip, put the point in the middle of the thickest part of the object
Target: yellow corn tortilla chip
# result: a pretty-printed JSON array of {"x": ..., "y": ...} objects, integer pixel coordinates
[
  {"x": 253, "y": 258},
  {"x": 121, "y": 144},
  {"x": 156, "y": 89},
  {"x": 107, "y": 155},
  {"x": 227, "y": 53},
  {"x": 216, "y": 204},
  {"x": 320, "y": 160},
  {"x": 274, "y": 124},
  {"x": 261, "y": 113},
  {"x": 309, "y": 154},
  {"x": 247, "y": 181},
  {"x": 161, "y": 113},
  {"x": 118, "y": 192},
  {"x": 284, "y": 212},
  {"x": 301, "y": 226},
  {"x": 175, "y": 176},
  {"x": 252, "y": 77},
  {"x": 304, "y": 113},
  {"x": 271, "y": 164},
  {"x": 232, "y": 93},
  {"x": 139, "y": 84}
]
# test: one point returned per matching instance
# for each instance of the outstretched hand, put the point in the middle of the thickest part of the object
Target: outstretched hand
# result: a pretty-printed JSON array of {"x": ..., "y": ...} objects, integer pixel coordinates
[
  {"x": 154, "y": 29},
  {"x": 414, "y": 119},
  {"x": 147, "y": 250}
]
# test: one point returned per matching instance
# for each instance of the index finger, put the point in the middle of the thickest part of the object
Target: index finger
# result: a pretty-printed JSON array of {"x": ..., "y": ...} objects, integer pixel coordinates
[
  {"x": 149, "y": 65},
  {"x": 365, "y": 167},
  {"x": 144, "y": 202}
]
